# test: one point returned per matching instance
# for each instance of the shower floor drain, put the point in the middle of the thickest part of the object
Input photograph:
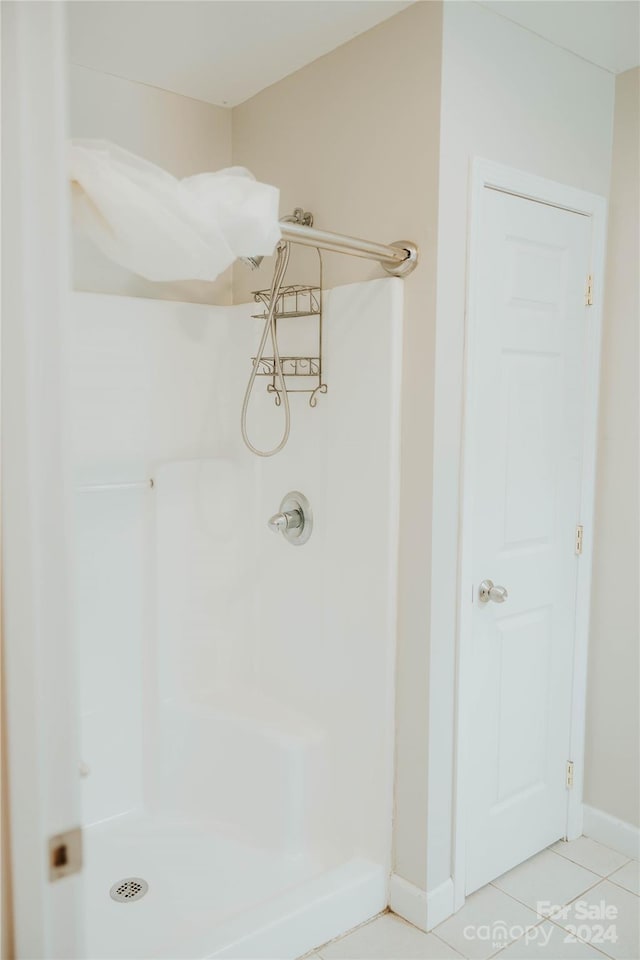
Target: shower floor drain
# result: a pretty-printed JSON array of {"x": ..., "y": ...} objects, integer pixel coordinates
[{"x": 132, "y": 888}]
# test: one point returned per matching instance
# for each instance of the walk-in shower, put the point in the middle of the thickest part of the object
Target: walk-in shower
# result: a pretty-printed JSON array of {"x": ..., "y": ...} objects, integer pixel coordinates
[{"x": 236, "y": 695}]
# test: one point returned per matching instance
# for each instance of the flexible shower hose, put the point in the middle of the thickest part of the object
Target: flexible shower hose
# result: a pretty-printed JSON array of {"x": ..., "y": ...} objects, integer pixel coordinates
[{"x": 282, "y": 262}]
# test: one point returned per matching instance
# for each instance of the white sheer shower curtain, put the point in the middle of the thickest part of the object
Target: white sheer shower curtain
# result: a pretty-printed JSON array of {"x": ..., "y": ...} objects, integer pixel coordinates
[{"x": 163, "y": 228}]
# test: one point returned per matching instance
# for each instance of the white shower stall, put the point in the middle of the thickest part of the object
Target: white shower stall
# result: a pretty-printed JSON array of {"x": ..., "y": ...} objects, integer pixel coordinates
[{"x": 236, "y": 691}]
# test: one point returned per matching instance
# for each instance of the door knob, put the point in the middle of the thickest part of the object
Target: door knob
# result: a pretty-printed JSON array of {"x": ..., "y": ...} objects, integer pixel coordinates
[{"x": 489, "y": 591}]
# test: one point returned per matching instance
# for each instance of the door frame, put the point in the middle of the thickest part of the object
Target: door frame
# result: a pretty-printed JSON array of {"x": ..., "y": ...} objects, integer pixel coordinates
[
  {"x": 486, "y": 174},
  {"x": 41, "y": 696}
]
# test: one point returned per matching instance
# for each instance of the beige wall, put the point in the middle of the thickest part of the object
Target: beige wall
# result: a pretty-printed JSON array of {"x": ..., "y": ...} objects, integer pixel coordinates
[
  {"x": 181, "y": 135},
  {"x": 613, "y": 717},
  {"x": 353, "y": 137}
]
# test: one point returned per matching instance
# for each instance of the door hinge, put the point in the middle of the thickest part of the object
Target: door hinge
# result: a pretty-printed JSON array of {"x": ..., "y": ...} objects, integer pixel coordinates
[
  {"x": 65, "y": 854},
  {"x": 588, "y": 292},
  {"x": 569, "y": 780},
  {"x": 579, "y": 538}
]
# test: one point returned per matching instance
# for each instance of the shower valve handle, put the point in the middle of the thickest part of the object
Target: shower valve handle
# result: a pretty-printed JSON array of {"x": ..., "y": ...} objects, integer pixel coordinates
[
  {"x": 287, "y": 520},
  {"x": 295, "y": 520}
]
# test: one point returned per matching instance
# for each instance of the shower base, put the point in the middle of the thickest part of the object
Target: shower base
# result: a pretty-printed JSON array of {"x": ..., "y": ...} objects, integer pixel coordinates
[{"x": 211, "y": 895}]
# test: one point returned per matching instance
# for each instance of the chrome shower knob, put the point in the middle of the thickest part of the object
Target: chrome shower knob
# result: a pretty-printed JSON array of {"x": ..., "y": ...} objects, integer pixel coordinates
[
  {"x": 295, "y": 520},
  {"x": 289, "y": 520},
  {"x": 489, "y": 591}
]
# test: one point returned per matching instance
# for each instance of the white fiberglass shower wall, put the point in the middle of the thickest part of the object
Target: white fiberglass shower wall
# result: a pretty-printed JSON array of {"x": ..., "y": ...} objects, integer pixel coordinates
[{"x": 236, "y": 691}]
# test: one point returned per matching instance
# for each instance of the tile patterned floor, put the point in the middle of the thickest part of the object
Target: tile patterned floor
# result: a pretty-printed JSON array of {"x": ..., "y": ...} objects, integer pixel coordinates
[{"x": 574, "y": 900}]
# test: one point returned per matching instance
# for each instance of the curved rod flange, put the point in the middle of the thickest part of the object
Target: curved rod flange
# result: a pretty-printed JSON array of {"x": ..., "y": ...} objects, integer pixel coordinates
[{"x": 407, "y": 266}]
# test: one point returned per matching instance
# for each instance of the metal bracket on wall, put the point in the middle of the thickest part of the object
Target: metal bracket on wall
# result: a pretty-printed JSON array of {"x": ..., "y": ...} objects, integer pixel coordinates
[{"x": 65, "y": 854}]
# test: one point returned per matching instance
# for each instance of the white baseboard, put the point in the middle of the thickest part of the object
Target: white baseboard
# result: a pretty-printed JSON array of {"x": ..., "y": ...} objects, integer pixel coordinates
[
  {"x": 408, "y": 901},
  {"x": 423, "y": 909},
  {"x": 614, "y": 833}
]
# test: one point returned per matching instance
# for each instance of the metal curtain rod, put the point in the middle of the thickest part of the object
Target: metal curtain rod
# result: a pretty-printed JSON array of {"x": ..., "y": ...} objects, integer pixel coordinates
[{"x": 399, "y": 258}]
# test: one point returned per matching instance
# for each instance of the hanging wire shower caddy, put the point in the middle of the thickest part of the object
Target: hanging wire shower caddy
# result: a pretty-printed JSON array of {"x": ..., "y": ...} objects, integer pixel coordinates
[
  {"x": 292, "y": 302},
  {"x": 398, "y": 259}
]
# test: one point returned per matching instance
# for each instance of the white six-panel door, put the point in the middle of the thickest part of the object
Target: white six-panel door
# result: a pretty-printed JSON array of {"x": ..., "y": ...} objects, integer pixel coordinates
[{"x": 527, "y": 373}]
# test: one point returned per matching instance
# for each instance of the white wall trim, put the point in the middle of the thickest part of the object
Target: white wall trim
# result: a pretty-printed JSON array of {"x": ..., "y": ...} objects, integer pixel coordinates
[
  {"x": 614, "y": 833},
  {"x": 41, "y": 692},
  {"x": 423, "y": 910},
  {"x": 488, "y": 174}
]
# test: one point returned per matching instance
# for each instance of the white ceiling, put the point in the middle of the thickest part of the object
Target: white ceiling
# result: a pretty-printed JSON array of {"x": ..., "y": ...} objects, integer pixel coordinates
[
  {"x": 221, "y": 51},
  {"x": 225, "y": 51},
  {"x": 605, "y": 32}
]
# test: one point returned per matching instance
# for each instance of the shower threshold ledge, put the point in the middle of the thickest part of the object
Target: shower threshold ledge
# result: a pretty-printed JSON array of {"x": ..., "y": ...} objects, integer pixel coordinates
[{"x": 211, "y": 895}]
